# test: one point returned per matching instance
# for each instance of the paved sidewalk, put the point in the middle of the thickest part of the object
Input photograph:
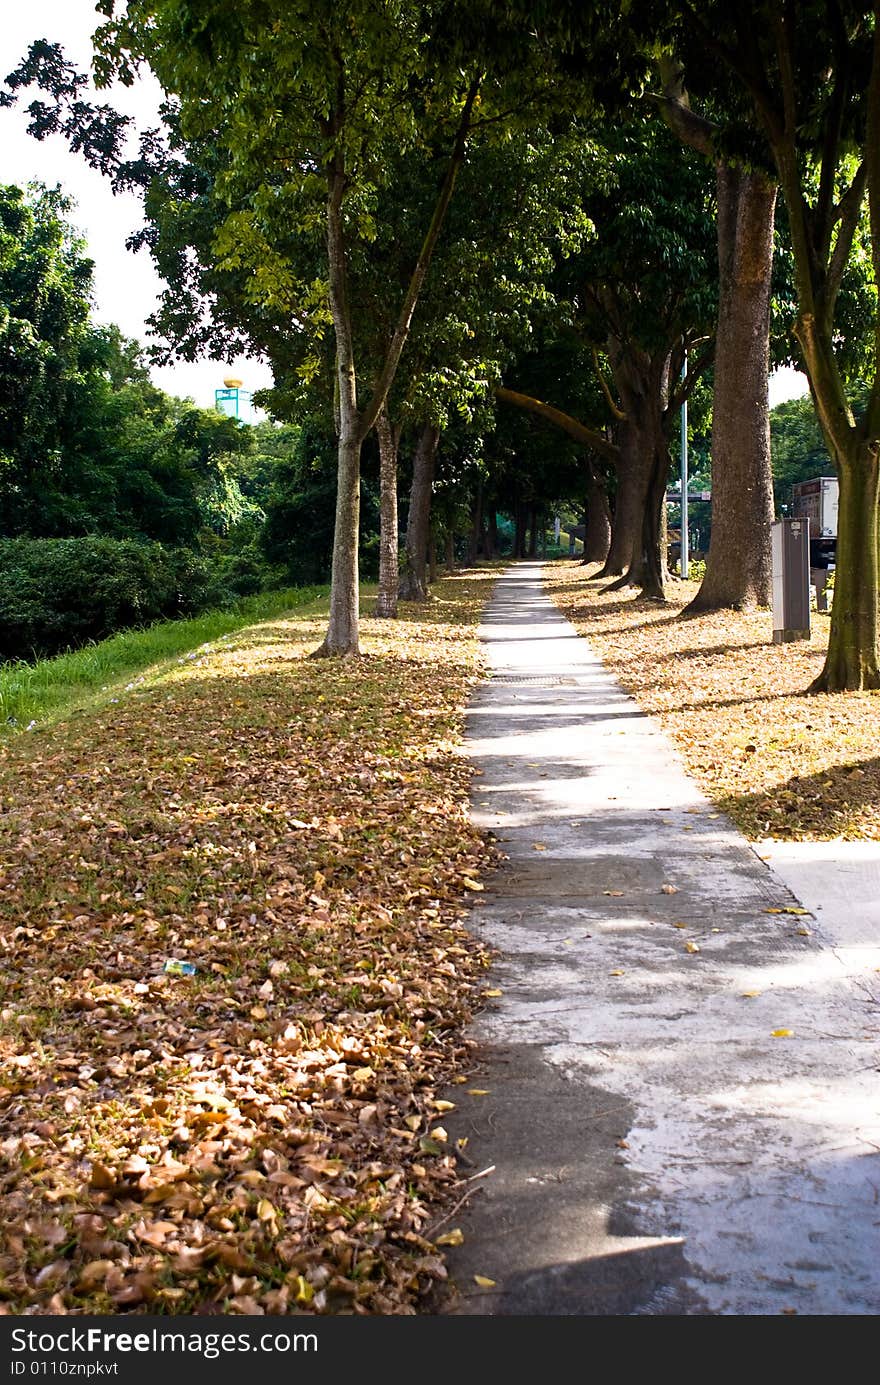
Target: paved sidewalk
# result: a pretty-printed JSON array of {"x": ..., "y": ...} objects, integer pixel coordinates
[{"x": 657, "y": 1148}]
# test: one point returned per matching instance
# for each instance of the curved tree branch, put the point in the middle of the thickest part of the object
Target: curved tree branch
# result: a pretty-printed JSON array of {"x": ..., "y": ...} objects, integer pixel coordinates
[
  {"x": 591, "y": 437},
  {"x": 614, "y": 407}
]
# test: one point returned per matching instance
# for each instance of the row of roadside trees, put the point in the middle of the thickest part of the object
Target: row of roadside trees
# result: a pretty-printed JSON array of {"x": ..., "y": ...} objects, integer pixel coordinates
[{"x": 437, "y": 217}]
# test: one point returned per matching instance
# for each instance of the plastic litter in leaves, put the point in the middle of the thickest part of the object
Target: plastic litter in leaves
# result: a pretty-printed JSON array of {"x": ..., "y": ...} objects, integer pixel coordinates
[{"x": 174, "y": 967}]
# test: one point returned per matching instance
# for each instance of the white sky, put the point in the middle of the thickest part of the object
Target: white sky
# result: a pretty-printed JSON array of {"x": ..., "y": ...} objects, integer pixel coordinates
[{"x": 126, "y": 286}]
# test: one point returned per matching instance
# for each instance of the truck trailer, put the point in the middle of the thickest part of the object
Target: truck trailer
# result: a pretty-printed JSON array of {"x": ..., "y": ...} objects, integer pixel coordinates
[{"x": 817, "y": 501}]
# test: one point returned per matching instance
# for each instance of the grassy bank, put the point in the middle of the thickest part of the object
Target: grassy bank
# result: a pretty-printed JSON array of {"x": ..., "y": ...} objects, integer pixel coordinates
[
  {"x": 34, "y": 693},
  {"x": 258, "y": 1128},
  {"x": 783, "y": 763}
]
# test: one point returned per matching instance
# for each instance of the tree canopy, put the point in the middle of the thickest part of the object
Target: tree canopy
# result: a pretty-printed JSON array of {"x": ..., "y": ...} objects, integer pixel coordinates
[{"x": 423, "y": 214}]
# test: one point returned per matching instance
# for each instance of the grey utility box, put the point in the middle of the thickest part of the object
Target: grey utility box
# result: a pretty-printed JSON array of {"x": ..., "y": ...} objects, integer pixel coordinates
[{"x": 790, "y": 550}]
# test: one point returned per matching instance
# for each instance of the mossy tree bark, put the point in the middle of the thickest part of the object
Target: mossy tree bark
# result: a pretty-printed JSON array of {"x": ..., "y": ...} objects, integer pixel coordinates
[
  {"x": 388, "y": 436},
  {"x": 851, "y": 662}
]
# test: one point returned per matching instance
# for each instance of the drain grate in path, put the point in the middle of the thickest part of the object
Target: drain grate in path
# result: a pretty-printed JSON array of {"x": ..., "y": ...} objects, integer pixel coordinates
[{"x": 536, "y": 680}]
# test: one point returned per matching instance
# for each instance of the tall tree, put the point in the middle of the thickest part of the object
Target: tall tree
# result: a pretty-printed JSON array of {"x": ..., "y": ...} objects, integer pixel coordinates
[
  {"x": 809, "y": 76},
  {"x": 311, "y": 99},
  {"x": 738, "y": 561},
  {"x": 641, "y": 290},
  {"x": 517, "y": 209}
]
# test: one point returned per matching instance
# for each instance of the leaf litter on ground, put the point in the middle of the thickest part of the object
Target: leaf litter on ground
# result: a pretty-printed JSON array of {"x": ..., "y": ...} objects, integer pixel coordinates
[
  {"x": 781, "y": 762},
  {"x": 257, "y": 1136}
]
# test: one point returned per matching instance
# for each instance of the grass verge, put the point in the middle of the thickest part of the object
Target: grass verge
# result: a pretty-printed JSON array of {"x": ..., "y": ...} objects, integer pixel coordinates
[
  {"x": 265, "y": 1133},
  {"x": 33, "y": 693},
  {"x": 781, "y": 762}
]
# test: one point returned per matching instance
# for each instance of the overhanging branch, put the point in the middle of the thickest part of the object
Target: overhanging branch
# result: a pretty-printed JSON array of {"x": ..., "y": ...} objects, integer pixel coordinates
[{"x": 590, "y": 437}]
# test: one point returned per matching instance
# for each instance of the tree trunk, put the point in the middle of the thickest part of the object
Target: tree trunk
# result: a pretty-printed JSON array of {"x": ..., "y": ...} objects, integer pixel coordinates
[
  {"x": 519, "y": 532},
  {"x": 597, "y": 542},
  {"x": 386, "y": 601},
  {"x": 851, "y": 662},
  {"x": 414, "y": 578},
  {"x": 474, "y": 536},
  {"x": 642, "y": 382},
  {"x": 652, "y": 571},
  {"x": 628, "y": 505},
  {"x": 642, "y": 546},
  {"x": 738, "y": 562},
  {"x": 450, "y": 549},
  {"x": 342, "y": 638},
  {"x": 491, "y": 532},
  {"x": 532, "y": 550}
]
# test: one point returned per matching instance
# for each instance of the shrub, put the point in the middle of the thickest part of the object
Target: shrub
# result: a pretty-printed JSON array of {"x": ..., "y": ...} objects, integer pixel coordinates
[{"x": 59, "y": 593}]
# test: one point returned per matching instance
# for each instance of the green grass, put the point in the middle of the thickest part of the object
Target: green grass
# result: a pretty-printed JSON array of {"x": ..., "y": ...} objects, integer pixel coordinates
[{"x": 34, "y": 693}]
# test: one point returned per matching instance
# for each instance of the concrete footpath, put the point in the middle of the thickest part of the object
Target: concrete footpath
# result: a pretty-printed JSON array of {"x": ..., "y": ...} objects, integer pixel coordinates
[{"x": 679, "y": 1086}]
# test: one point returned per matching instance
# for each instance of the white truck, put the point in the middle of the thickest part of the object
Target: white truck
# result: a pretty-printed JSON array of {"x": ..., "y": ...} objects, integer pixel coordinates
[{"x": 817, "y": 501}]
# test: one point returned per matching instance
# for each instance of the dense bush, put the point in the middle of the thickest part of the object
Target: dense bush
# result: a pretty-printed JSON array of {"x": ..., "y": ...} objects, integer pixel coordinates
[{"x": 59, "y": 593}]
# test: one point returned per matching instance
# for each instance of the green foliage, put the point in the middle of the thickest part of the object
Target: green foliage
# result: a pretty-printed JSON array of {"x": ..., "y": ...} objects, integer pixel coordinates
[
  {"x": 58, "y": 593},
  {"x": 297, "y": 538},
  {"x": 804, "y": 85},
  {"x": 855, "y": 307},
  {"x": 517, "y": 209},
  {"x": 31, "y": 693},
  {"x": 45, "y": 282},
  {"x": 649, "y": 273},
  {"x": 87, "y": 444},
  {"x": 90, "y": 447},
  {"x": 298, "y": 89}
]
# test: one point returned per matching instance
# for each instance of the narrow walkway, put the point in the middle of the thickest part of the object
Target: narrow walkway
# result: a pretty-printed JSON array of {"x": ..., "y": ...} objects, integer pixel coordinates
[{"x": 680, "y": 1089}]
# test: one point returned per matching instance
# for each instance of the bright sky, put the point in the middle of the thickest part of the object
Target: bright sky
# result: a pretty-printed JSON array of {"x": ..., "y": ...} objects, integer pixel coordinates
[{"x": 126, "y": 287}]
